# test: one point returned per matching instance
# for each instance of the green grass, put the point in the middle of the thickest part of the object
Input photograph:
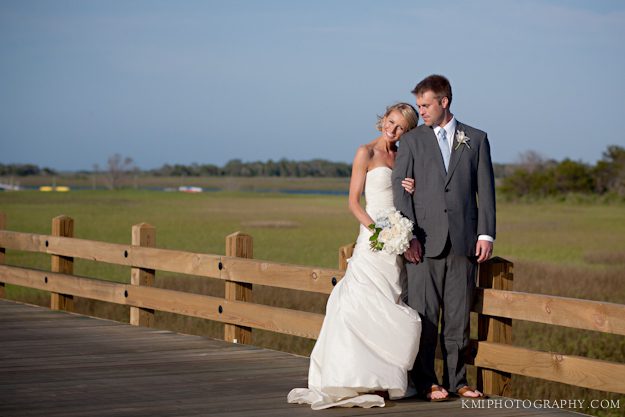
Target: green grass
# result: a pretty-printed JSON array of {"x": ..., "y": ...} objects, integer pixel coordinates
[
  {"x": 560, "y": 248},
  {"x": 560, "y": 233}
]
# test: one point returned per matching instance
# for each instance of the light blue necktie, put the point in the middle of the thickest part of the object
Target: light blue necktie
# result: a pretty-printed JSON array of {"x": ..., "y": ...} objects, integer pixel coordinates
[{"x": 444, "y": 145}]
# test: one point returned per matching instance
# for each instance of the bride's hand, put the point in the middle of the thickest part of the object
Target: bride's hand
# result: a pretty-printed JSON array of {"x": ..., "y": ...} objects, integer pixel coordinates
[
  {"x": 408, "y": 184},
  {"x": 414, "y": 253}
]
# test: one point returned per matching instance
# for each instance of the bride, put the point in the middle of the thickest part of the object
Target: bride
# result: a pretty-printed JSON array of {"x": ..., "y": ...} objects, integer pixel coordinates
[{"x": 370, "y": 337}]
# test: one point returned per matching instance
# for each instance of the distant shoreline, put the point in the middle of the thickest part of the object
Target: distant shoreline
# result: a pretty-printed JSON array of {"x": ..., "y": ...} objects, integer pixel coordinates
[{"x": 287, "y": 185}]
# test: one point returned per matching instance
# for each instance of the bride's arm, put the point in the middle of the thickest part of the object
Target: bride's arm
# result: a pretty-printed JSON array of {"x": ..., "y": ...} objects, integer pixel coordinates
[{"x": 357, "y": 185}]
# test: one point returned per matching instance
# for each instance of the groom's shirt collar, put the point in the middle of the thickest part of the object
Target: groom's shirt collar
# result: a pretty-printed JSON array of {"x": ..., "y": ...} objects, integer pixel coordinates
[{"x": 450, "y": 131}]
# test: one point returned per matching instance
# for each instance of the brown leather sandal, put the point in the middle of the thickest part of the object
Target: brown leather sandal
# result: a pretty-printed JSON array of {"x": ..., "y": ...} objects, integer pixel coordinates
[
  {"x": 434, "y": 388},
  {"x": 466, "y": 388}
]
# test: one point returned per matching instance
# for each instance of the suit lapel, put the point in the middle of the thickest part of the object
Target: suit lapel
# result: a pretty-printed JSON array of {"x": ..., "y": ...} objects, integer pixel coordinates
[{"x": 456, "y": 152}]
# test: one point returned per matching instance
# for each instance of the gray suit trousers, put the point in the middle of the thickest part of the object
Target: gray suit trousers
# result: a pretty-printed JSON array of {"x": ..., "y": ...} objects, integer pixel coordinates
[{"x": 446, "y": 283}]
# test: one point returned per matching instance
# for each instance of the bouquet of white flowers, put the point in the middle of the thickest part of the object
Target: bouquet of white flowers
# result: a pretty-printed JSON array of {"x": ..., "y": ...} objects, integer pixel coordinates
[{"x": 391, "y": 232}]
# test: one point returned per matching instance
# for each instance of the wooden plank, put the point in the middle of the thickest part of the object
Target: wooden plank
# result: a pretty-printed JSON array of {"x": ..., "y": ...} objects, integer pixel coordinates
[
  {"x": 281, "y": 320},
  {"x": 242, "y": 270},
  {"x": 115, "y": 371},
  {"x": 66, "y": 284},
  {"x": 495, "y": 273},
  {"x": 226, "y": 362},
  {"x": 62, "y": 226},
  {"x": 22, "y": 241},
  {"x": 573, "y": 370},
  {"x": 3, "y": 223},
  {"x": 239, "y": 245},
  {"x": 143, "y": 234},
  {"x": 119, "y": 254},
  {"x": 345, "y": 252},
  {"x": 570, "y": 312},
  {"x": 189, "y": 263},
  {"x": 281, "y": 275}
]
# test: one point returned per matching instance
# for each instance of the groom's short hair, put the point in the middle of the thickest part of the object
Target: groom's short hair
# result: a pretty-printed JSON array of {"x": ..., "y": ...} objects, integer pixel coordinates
[{"x": 437, "y": 84}]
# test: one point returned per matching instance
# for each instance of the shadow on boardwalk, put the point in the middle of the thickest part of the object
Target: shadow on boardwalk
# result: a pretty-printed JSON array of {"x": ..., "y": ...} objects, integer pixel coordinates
[{"x": 59, "y": 364}]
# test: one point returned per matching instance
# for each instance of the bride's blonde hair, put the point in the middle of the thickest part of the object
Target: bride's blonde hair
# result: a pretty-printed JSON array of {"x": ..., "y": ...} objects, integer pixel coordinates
[{"x": 406, "y": 110}]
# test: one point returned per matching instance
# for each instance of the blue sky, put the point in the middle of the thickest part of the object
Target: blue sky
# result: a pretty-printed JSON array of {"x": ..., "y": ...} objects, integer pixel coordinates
[{"x": 209, "y": 81}]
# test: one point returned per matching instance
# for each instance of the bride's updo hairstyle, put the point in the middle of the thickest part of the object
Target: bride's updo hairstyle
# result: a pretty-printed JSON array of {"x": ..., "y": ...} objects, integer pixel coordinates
[{"x": 406, "y": 110}]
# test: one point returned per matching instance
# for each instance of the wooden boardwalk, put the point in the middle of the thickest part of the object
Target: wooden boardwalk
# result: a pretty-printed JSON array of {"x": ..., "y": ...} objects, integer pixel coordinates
[{"x": 59, "y": 364}]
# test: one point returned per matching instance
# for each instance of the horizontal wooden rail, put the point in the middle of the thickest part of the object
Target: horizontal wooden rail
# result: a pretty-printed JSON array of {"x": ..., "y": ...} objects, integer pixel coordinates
[
  {"x": 276, "y": 319},
  {"x": 274, "y": 274},
  {"x": 251, "y": 271},
  {"x": 561, "y": 311},
  {"x": 548, "y": 309},
  {"x": 496, "y": 304},
  {"x": 568, "y": 369}
]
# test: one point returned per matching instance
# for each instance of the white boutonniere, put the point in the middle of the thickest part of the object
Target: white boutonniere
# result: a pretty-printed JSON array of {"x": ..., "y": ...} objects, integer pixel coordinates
[{"x": 462, "y": 139}]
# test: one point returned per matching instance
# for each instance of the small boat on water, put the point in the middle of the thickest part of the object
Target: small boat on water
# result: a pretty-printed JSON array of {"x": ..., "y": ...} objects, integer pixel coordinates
[
  {"x": 9, "y": 187},
  {"x": 189, "y": 189},
  {"x": 58, "y": 188}
]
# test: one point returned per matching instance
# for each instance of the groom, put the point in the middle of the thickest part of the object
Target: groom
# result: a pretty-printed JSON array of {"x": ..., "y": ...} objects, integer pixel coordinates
[{"x": 453, "y": 210}]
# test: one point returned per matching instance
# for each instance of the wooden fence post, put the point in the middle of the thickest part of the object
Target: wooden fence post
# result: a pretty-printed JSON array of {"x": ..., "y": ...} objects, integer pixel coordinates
[
  {"x": 345, "y": 252},
  {"x": 240, "y": 245},
  {"x": 143, "y": 234},
  {"x": 62, "y": 226},
  {"x": 497, "y": 273},
  {"x": 3, "y": 224}
]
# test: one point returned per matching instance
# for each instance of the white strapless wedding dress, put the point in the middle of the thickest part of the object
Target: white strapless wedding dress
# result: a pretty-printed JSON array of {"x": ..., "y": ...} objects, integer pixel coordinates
[{"x": 370, "y": 337}]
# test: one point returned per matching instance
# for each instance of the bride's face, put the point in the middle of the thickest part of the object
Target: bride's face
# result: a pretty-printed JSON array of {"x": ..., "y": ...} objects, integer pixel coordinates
[{"x": 394, "y": 126}]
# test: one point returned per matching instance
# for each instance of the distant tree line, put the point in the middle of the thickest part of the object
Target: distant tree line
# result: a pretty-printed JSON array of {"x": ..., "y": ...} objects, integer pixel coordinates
[
  {"x": 238, "y": 168},
  {"x": 118, "y": 167},
  {"x": 24, "y": 170},
  {"x": 535, "y": 176}
]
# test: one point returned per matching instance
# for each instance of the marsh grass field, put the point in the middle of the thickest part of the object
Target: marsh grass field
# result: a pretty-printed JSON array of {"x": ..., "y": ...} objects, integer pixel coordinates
[{"x": 570, "y": 248}]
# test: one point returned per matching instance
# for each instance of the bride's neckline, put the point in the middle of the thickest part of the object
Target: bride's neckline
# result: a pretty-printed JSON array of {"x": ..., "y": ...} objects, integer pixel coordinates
[{"x": 380, "y": 166}]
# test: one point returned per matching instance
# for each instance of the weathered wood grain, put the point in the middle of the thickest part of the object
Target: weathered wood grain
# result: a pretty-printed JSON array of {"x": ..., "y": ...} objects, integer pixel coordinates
[
  {"x": 574, "y": 370},
  {"x": 93, "y": 368},
  {"x": 62, "y": 226},
  {"x": 143, "y": 234},
  {"x": 126, "y": 255},
  {"x": 276, "y": 319},
  {"x": 240, "y": 245},
  {"x": 214, "y": 266},
  {"x": 497, "y": 274},
  {"x": 280, "y": 275},
  {"x": 3, "y": 223},
  {"x": 549, "y": 309},
  {"x": 281, "y": 320}
]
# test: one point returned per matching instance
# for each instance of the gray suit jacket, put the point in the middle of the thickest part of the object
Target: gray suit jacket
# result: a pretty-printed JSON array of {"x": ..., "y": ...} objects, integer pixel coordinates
[{"x": 446, "y": 203}]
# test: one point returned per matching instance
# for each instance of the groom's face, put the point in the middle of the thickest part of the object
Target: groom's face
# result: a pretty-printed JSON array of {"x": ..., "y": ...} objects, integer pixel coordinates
[{"x": 431, "y": 108}]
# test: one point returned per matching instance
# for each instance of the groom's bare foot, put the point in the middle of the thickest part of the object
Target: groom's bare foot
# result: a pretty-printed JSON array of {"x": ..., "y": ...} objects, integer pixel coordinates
[{"x": 436, "y": 393}]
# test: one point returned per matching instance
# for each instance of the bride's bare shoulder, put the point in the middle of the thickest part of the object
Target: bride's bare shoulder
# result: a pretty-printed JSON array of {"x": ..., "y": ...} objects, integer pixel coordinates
[{"x": 365, "y": 152}]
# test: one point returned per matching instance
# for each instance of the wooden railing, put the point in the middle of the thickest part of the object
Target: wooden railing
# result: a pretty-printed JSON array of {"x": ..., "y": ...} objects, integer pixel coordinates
[{"x": 496, "y": 304}]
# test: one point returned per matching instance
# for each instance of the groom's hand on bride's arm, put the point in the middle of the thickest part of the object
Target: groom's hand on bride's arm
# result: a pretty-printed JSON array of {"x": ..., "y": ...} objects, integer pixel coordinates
[
  {"x": 414, "y": 252},
  {"x": 483, "y": 250}
]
